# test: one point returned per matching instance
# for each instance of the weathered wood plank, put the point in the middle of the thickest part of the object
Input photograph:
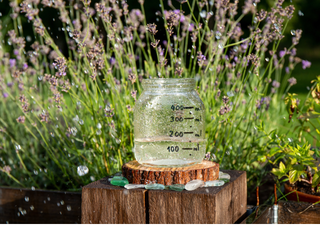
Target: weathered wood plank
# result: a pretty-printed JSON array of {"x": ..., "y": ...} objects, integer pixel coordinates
[
  {"x": 224, "y": 204},
  {"x": 39, "y": 206},
  {"x": 139, "y": 174},
  {"x": 105, "y": 203}
]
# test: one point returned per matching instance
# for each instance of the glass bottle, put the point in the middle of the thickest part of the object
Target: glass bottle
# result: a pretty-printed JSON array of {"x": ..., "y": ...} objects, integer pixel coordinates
[{"x": 169, "y": 123}]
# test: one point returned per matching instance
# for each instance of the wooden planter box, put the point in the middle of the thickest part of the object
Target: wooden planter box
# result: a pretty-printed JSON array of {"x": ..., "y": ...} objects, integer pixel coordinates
[
  {"x": 105, "y": 203},
  {"x": 39, "y": 206}
]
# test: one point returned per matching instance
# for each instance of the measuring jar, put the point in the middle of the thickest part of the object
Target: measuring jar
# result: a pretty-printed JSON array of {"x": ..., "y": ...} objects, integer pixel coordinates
[{"x": 169, "y": 124}]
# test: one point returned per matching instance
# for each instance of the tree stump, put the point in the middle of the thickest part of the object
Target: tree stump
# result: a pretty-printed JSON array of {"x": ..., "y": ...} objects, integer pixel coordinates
[
  {"x": 105, "y": 203},
  {"x": 139, "y": 174}
]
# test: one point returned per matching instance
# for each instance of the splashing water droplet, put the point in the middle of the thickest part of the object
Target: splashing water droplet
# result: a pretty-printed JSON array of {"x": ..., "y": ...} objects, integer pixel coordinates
[
  {"x": 62, "y": 202},
  {"x": 81, "y": 122},
  {"x": 48, "y": 198},
  {"x": 58, "y": 204},
  {"x": 82, "y": 170},
  {"x": 293, "y": 32},
  {"x": 230, "y": 93},
  {"x": 26, "y": 198},
  {"x": 98, "y": 132},
  {"x": 220, "y": 46},
  {"x": 118, "y": 141},
  {"x": 99, "y": 126},
  {"x": 267, "y": 59},
  {"x": 40, "y": 77},
  {"x": 300, "y": 13},
  {"x": 203, "y": 13},
  {"x": 31, "y": 207},
  {"x": 18, "y": 147},
  {"x": 92, "y": 178},
  {"x": 33, "y": 188},
  {"x": 68, "y": 207}
]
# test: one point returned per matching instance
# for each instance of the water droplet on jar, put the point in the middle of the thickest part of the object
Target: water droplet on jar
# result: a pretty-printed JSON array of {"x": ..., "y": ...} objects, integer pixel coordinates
[
  {"x": 68, "y": 207},
  {"x": 293, "y": 32},
  {"x": 62, "y": 202},
  {"x": 31, "y": 207},
  {"x": 26, "y": 199}
]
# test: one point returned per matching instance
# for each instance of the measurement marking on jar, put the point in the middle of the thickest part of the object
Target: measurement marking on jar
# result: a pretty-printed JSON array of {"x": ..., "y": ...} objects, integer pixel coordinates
[
  {"x": 189, "y": 118},
  {"x": 198, "y": 135},
  {"x": 186, "y": 148},
  {"x": 196, "y": 149},
  {"x": 188, "y": 107},
  {"x": 188, "y": 132}
]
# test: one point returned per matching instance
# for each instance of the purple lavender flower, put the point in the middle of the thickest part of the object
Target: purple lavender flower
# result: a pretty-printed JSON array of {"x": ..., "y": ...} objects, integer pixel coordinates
[
  {"x": 12, "y": 62},
  {"x": 282, "y": 53},
  {"x": 16, "y": 52},
  {"x": 10, "y": 84},
  {"x": 292, "y": 81},
  {"x": 25, "y": 66},
  {"x": 5, "y": 95},
  {"x": 287, "y": 69},
  {"x": 305, "y": 64},
  {"x": 191, "y": 27},
  {"x": 207, "y": 157},
  {"x": 112, "y": 61},
  {"x": 275, "y": 84},
  {"x": 21, "y": 119}
]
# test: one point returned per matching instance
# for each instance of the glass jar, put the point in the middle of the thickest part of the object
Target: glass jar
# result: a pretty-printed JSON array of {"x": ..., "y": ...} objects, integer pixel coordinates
[{"x": 169, "y": 124}]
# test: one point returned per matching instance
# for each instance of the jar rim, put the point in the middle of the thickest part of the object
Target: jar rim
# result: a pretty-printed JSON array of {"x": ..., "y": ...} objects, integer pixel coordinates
[
  {"x": 169, "y": 81},
  {"x": 176, "y": 84}
]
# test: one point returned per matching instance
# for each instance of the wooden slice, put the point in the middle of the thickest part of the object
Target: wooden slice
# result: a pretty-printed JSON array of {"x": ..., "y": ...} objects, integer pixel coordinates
[{"x": 140, "y": 174}]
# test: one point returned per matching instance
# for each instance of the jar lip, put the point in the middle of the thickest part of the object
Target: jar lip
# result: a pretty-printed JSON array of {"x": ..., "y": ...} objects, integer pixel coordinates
[{"x": 169, "y": 82}]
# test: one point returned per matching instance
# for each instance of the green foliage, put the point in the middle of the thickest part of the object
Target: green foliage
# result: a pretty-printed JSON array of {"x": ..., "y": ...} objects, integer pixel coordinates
[{"x": 295, "y": 163}]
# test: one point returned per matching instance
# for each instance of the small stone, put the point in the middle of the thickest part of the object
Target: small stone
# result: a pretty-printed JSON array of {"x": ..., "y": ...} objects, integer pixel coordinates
[
  {"x": 155, "y": 186},
  {"x": 117, "y": 181},
  {"x": 194, "y": 184},
  {"x": 134, "y": 186},
  {"x": 224, "y": 179},
  {"x": 214, "y": 183},
  {"x": 118, "y": 174},
  {"x": 224, "y": 175},
  {"x": 177, "y": 187}
]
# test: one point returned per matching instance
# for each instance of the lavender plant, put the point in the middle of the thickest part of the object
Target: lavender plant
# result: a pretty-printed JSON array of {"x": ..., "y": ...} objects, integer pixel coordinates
[{"x": 66, "y": 117}]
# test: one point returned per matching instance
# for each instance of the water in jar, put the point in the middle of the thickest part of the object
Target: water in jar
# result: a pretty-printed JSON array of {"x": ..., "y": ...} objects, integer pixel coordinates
[{"x": 169, "y": 124}]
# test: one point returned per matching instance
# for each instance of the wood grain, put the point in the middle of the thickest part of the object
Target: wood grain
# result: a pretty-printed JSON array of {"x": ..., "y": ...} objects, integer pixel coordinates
[
  {"x": 105, "y": 203},
  {"x": 139, "y": 174},
  {"x": 225, "y": 204},
  {"x": 48, "y": 206}
]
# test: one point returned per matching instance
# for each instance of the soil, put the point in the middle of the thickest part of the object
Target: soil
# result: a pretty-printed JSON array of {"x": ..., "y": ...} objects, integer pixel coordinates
[{"x": 305, "y": 188}]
